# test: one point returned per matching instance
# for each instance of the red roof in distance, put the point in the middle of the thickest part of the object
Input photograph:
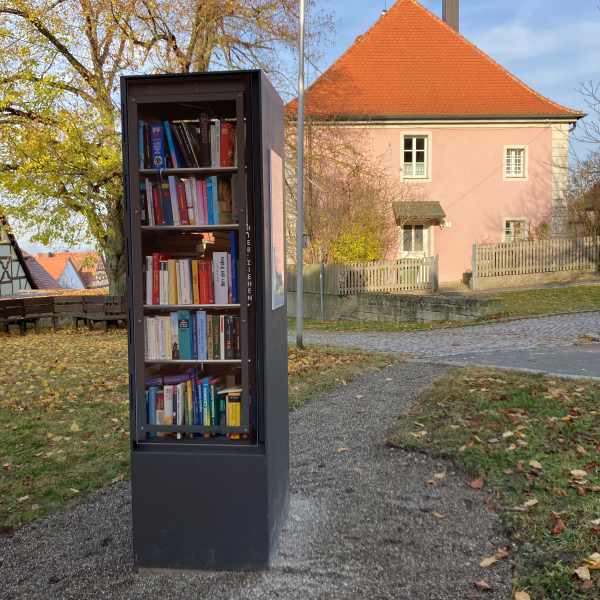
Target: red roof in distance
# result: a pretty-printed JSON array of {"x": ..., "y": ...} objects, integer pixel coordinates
[{"x": 411, "y": 63}]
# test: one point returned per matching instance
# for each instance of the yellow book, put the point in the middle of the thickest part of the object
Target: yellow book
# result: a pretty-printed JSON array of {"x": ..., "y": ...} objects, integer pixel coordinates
[
  {"x": 172, "y": 271},
  {"x": 168, "y": 339},
  {"x": 195, "y": 287},
  {"x": 234, "y": 413}
]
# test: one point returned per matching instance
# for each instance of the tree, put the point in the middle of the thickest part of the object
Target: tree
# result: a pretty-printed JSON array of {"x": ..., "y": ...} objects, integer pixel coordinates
[
  {"x": 60, "y": 62},
  {"x": 582, "y": 197}
]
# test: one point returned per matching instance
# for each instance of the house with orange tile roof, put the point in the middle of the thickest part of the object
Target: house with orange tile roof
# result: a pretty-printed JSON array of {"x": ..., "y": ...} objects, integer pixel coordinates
[
  {"x": 90, "y": 266},
  {"x": 62, "y": 270},
  {"x": 490, "y": 150}
]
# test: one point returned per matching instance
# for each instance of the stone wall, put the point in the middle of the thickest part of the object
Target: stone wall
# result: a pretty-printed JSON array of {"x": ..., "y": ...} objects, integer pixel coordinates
[
  {"x": 396, "y": 308},
  {"x": 334, "y": 307}
]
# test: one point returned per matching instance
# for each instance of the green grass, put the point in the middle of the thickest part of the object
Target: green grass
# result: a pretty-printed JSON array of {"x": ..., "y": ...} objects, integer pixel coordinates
[
  {"x": 531, "y": 418},
  {"x": 64, "y": 414},
  {"x": 514, "y": 304}
]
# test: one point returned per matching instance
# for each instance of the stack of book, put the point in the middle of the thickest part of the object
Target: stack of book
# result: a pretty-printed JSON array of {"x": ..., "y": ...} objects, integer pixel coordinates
[
  {"x": 202, "y": 143},
  {"x": 186, "y": 281},
  {"x": 194, "y": 399},
  {"x": 185, "y": 335},
  {"x": 191, "y": 201}
]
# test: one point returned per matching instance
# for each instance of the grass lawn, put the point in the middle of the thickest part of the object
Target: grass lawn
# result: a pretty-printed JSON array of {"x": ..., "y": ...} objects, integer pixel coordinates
[
  {"x": 514, "y": 304},
  {"x": 536, "y": 442},
  {"x": 64, "y": 414}
]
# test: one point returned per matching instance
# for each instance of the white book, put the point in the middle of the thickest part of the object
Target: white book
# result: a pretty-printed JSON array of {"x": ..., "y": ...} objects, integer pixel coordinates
[
  {"x": 150, "y": 202},
  {"x": 156, "y": 340},
  {"x": 146, "y": 338},
  {"x": 222, "y": 337},
  {"x": 189, "y": 198},
  {"x": 220, "y": 278},
  {"x": 149, "y": 278},
  {"x": 181, "y": 393},
  {"x": 174, "y": 201},
  {"x": 168, "y": 412},
  {"x": 229, "y": 278},
  {"x": 174, "y": 336},
  {"x": 161, "y": 282},
  {"x": 162, "y": 339},
  {"x": 212, "y": 145},
  {"x": 200, "y": 202},
  {"x": 178, "y": 272},
  {"x": 235, "y": 215},
  {"x": 194, "y": 194},
  {"x": 168, "y": 339},
  {"x": 151, "y": 339},
  {"x": 186, "y": 283}
]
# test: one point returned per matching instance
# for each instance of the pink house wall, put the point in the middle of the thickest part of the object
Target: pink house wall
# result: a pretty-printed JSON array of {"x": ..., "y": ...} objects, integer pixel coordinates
[{"x": 466, "y": 176}]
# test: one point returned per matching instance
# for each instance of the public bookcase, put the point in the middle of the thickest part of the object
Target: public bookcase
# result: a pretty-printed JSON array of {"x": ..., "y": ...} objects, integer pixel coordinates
[{"x": 204, "y": 228}]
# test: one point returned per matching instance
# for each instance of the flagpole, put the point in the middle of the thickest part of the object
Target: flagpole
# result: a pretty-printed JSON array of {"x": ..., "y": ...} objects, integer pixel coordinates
[{"x": 300, "y": 179}]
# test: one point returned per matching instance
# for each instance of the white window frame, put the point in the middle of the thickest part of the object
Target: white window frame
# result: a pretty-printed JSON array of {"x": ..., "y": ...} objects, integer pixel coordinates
[
  {"x": 426, "y": 135},
  {"x": 507, "y": 176},
  {"x": 506, "y": 220}
]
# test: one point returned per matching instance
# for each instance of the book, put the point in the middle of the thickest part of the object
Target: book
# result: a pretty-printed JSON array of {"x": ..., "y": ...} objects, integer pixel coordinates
[
  {"x": 184, "y": 335},
  {"x": 215, "y": 384},
  {"x": 217, "y": 137},
  {"x": 204, "y": 139},
  {"x": 174, "y": 199},
  {"x": 193, "y": 326},
  {"x": 162, "y": 351},
  {"x": 168, "y": 407},
  {"x": 234, "y": 413},
  {"x": 158, "y": 146},
  {"x": 209, "y": 338},
  {"x": 229, "y": 337},
  {"x": 160, "y": 411},
  {"x": 147, "y": 147},
  {"x": 182, "y": 203},
  {"x": 235, "y": 213},
  {"x": 189, "y": 202},
  {"x": 152, "y": 409},
  {"x": 205, "y": 201},
  {"x": 181, "y": 407},
  {"x": 233, "y": 249},
  {"x": 222, "y": 337},
  {"x": 189, "y": 130},
  {"x": 224, "y": 201},
  {"x": 206, "y": 402},
  {"x": 166, "y": 204},
  {"x": 146, "y": 356},
  {"x": 149, "y": 279},
  {"x": 238, "y": 339},
  {"x": 195, "y": 282},
  {"x": 220, "y": 278},
  {"x": 224, "y": 142},
  {"x": 232, "y": 150},
  {"x": 175, "y": 405},
  {"x": 200, "y": 202},
  {"x": 143, "y": 205},
  {"x": 184, "y": 143},
  {"x": 209, "y": 202},
  {"x": 186, "y": 281},
  {"x": 141, "y": 143},
  {"x": 215, "y": 200},
  {"x": 156, "y": 206},
  {"x": 165, "y": 380},
  {"x": 201, "y": 327},
  {"x": 216, "y": 336},
  {"x": 189, "y": 414},
  {"x": 175, "y": 335},
  {"x": 229, "y": 295},
  {"x": 168, "y": 339},
  {"x": 203, "y": 283},
  {"x": 175, "y": 157},
  {"x": 172, "y": 275}
]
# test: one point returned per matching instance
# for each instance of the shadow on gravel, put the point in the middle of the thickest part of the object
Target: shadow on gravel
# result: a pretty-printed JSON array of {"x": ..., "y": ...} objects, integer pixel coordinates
[{"x": 361, "y": 521}]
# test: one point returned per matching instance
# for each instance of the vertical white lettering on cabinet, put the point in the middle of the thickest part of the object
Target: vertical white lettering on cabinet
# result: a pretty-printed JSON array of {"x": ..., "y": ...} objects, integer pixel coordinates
[{"x": 277, "y": 230}]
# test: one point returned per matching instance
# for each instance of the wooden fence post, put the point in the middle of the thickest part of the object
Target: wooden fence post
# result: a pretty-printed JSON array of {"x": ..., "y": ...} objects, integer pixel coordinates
[{"x": 474, "y": 277}]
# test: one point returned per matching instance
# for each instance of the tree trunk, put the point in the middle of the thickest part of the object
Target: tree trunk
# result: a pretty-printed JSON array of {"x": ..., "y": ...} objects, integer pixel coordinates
[{"x": 114, "y": 247}]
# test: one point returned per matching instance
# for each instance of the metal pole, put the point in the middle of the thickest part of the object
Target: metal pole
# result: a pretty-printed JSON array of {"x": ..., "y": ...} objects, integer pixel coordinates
[
  {"x": 474, "y": 277},
  {"x": 321, "y": 280},
  {"x": 300, "y": 178},
  {"x": 432, "y": 274}
]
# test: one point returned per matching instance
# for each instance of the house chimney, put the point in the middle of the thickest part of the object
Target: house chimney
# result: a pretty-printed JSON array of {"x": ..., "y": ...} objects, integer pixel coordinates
[{"x": 450, "y": 13}]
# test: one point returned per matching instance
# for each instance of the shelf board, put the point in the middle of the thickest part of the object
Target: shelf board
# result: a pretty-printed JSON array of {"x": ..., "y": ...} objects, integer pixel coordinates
[
  {"x": 236, "y": 361},
  {"x": 189, "y": 171},
  {"x": 187, "y": 306},
  {"x": 189, "y": 227}
]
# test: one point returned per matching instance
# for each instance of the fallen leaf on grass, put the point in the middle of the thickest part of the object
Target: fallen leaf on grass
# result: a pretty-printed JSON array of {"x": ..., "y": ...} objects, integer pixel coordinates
[
  {"x": 508, "y": 471},
  {"x": 438, "y": 516},
  {"x": 482, "y": 585},
  {"x": 74, "y": 427},
  {"x": 535, "y": 464},
  {"x": 578, "y": 474},
  {"x": 508, "y": 434},
  {"x": 343, "y": 382},
  {"x": 57, "y": 438},
  {"x": 74, "y": 490},
  {"x": 531, "y": 502},
  {"x": 558, "y": 528},
  {"x": 454, "y": 426},
  {"x": 596, "y": 522},
  {"x": 588, "y": 584},
  {"x": 440, "y": 475},
  {"x": 557, "y": 490},
  {"x": 477, "y": 484},
  {"x": 595, "y": 530},
  {"x": 519, "y": 467},
  {"x": 583, "y": 573},
  {"x": 23, "y": 498},
  {"x": 522, "y": 596},
  {"x": 341, "y": 449},
  {"x": 512, "y": 447},
  {"x": 581, "y": 450}
]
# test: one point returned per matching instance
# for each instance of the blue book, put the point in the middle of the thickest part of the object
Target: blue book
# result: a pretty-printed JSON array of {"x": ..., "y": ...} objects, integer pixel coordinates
[
  {"x": 152, "y": 409},
  {"x": 141, "y": 142},
  {"x": 201, "y": 326},
  {"x": 184, "y": 334},
  {"x": 198, "y": 387},
  {"x": 157, "y": 146},
  {"x": 206, "y": 401},
  {"x": 194, "y": 404},
  {"x": 194, "y": 336},
  {"x": 209, "y": 202},
  {"x": 234, "y": 277},
  {"x": 177, "y": 163},
  {"x": 215, "y": 199},
  {"x": 166, "y": 204}
]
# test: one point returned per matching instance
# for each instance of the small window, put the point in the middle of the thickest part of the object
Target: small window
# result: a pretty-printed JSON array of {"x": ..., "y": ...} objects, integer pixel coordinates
[
  {"x": 72, "y": 280},
  {"x": 515, "y": 162},
  {"x": 412, "y": 238},
  {"x": 415, "y": 157},
  {"x": 515, "y": 230}
]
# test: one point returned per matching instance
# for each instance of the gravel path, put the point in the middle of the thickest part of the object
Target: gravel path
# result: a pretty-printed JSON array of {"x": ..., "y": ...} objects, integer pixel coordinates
[
  {"x": 361, "y": 522},
  {"x": 523, "y": 334}
]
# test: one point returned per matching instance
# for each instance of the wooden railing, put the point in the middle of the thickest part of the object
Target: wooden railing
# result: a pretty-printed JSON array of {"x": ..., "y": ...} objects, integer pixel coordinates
[
  {"x": 545, "y": 256},
  {"x": 352, "y": 278}
]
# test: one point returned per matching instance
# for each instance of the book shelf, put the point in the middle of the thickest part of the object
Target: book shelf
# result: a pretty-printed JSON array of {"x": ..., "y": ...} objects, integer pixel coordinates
[{"x": 196, "y": 234}]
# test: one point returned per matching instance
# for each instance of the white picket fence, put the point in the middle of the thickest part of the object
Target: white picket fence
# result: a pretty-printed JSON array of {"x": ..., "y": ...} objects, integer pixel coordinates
[
  {"x": 378, "y": 276},
  {"x": 545, "y": 256}
]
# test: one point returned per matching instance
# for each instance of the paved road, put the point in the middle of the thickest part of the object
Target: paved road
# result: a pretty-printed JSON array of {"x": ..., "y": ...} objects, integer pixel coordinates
[{"x": 361, "y": 523}]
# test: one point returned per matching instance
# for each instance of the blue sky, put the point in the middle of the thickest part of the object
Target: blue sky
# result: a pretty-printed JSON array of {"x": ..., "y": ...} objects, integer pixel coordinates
[{"x": 552, "y": 45}]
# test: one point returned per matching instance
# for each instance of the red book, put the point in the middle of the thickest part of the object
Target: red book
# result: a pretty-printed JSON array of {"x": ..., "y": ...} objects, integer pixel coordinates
[
  {"x": 224, "y": 158},
  {"x": 156, "y": 200},
  {"x": 203, "y": 283},
  {"x": 156, "y": 258},
  {"x": 211, "y": 283},
  {"x": 232, "y": 144},
  {"x": 182, "y": 201}
]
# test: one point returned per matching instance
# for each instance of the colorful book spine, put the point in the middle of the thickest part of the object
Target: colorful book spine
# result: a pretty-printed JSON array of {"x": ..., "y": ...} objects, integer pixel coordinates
[
  {"x": 152, "y": 409},
  {"x": 168, "y": 407},
  {"x": 143, "y": 205},
  {"x": 216, "y": 336},
  {"x": 174, "y": 200},
  {"x": 193, "y": 325},
  {"x": 224, "y": 150},
  {"x": 199, "y": 402},
  {"x": 234, "y": 266},
  {"x": 209, "y": 201},
  {"x": 177, "y": 164},
  {"x": 160, "y": 411},
  {"x": 147, "y": 147},
  {"x": 185, "y": 335},
  {"x": 156, "y": 205},
  {"x": 204, "y": 139},
  {"x": 194, "y": 394},
  {"x": 189, "y": 199},
  {"x": 215, "y": 200},
  {"x": 202, "y": 340},
  {"x": 175, "y": 335},
  {"x": 141, "y": 143},
  {"x": 195, "y": 282},
  {"x": 220, "y": 278},
  {"x": 182, "y": 204},
  {"x": 158, "y": 146},
  {"x": 206, "y": 400},
  {"x": 209, "y": 338},
  {"x": 189, "y": 413},
  {"x": 234, "y": 415},
  {"x": 166, "y": 204}
]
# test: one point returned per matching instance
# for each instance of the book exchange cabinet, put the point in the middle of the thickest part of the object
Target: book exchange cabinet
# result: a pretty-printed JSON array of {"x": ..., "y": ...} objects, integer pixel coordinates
[{"x": 205, "y": 244}]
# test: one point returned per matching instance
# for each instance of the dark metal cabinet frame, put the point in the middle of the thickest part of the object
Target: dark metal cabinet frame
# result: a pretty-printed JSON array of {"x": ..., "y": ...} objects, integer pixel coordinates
[{"x": 211, "y": 503}]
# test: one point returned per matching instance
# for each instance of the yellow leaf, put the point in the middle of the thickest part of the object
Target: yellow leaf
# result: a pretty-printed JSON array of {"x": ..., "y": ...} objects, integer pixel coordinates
[
  {"x": 578, "y": 474},
  {"x": 488, "y": 562},
  {"x": 531, "y": 502},
  {"x": 49, "y": 435},
  {"x": 455, "y": 426},
  {"x": 440, "y": 475},
  {"x": 581, "y": 450},
  {"x": 341, "y": 449},
  {"x": 583, "y": 573},
  {"x": 23, "y": 498},
  {"x": 462, "y": 448},
  {"x": 343, "y": 382},
  {"x": 522, "y": 596},
  {"x": 74, "y": 427},
  {"x": 74, "y": 490},
  {"x": 596, "y": 556},
  {"x": 388, "y": 379},
  {"x": 535, "y": 464},
  {"x": 507, "y": 434},
  {"x": 479, "y": 439},
  {"x": 438, "y": 516},
  {"x": 512, "y": 447}
]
